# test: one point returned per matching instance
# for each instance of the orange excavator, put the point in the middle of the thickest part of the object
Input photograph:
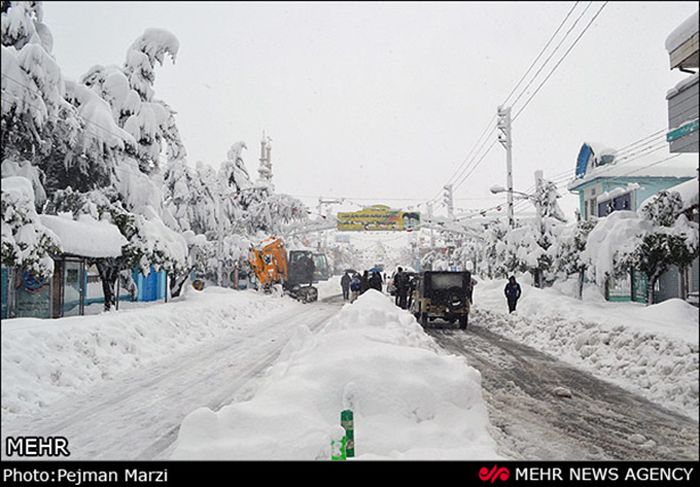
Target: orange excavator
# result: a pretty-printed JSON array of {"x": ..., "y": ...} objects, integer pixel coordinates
[{"x": 295, "y": 272}]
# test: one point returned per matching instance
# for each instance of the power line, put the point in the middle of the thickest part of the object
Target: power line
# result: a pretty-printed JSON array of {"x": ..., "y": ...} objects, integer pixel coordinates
[
  {"x": 560, "y": 60},
  {"x": 462, "y": 175},
  {"x": 457, "y": 184},
  {"x": 532, "y": 65},
  {"x": 566, "y": 35}
]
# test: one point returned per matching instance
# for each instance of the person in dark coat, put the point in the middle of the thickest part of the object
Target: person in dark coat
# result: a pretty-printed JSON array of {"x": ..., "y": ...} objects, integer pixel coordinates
[
  {"x": 402, "y": 286},
  {"x": 364, "y": 282},
  {"x": 512, "y": 292},
  {"x": 375, "y": 282},
  {"x": 345, "y": 284}
]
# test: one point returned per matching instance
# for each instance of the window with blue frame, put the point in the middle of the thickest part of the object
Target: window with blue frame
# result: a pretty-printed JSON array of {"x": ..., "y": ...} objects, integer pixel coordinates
[{"x": 622, "y": 202}]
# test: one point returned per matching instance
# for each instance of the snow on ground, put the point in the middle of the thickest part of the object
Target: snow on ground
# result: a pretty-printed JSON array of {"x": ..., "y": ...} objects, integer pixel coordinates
[
  {"x": 651, "y": 350},
  {"x": 410, "y": 399},
  {"x": 46, "y": 360},
  {"x": 329, "y": 288}
]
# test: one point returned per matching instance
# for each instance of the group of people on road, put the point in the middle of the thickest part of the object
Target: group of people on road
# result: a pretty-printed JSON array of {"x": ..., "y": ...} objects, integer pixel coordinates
[{"x": 354, "y": 284}]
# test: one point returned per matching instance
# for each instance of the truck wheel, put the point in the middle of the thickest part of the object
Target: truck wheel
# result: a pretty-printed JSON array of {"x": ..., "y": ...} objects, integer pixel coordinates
[{"x": 463, "y": 322}]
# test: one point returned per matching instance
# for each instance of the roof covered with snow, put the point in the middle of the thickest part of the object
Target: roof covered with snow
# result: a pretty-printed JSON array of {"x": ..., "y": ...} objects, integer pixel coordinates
[
  {"x": 639, "y": 165},
  {"x": 682, "y": 33},
  {"x": 682, "y": 85},
  {"x": 86, "y": 237}
]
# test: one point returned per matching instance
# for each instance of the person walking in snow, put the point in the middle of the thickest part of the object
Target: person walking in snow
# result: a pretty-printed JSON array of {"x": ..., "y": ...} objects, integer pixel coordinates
[
  {"x": 355, "y": 286},
  {"x": 512, "y": 292},
  {"x": 345, "y": 284}
]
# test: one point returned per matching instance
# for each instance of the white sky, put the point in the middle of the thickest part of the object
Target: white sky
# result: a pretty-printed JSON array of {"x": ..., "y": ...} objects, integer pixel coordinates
[{"x": 384, "y": 100}]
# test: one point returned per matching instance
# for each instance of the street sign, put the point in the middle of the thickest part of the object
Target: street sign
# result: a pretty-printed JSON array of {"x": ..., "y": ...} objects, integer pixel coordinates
[
  {"x": 682, "y": 131},
  {"x": 378, "y": 218}
]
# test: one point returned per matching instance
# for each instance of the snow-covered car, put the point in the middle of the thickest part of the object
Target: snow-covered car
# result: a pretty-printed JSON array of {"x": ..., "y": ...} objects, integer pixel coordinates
[{"x": 443, "y": 295}]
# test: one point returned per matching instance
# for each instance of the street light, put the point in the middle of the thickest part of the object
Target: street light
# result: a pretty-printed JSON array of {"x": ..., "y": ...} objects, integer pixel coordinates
[{"x": 500, "y": 189}]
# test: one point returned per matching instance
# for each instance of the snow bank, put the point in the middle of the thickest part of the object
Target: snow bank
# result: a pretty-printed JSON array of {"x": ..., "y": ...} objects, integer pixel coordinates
[
  {"x": 650, "y": 350},
  {"x": 329, "y": 288},
  {"x": 45, "y": 360},
  {"x": 410, "y": 400}
]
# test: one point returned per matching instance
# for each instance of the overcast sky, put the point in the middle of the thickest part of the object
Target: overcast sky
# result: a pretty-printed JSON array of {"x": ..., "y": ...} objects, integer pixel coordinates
[{"x": 385, "y": 100}]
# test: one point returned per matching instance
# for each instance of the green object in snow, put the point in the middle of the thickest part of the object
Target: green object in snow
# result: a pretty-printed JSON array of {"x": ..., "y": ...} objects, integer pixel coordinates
[
  {"x": 346, "y": 421},
  {"x": 338, "y": 449}
]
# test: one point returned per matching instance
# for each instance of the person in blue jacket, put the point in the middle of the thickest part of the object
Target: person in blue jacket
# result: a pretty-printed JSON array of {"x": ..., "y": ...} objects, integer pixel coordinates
[{"x": 355, "y": 287}]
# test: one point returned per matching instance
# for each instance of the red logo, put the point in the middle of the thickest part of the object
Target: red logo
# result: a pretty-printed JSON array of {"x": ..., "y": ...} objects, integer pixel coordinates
[{"x": 494, "y": 474}]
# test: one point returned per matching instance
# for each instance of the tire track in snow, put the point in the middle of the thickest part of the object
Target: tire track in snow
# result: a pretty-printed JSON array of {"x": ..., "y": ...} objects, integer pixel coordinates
[
  {"x": 136, "y": 415},
  {"x": 600, "y": 421}
]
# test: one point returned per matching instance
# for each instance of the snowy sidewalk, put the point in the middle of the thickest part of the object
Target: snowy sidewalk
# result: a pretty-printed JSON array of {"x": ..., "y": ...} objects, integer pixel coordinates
[
  {"x": 136, "y": 415},
  {"x": 44, "y": 361},
  {"x": 650, "y": 350}
]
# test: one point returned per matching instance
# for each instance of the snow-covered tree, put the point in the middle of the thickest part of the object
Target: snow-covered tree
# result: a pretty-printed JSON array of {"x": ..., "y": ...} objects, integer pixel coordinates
[
  {"x": 37, "y": 124},
  {"x": 26, "y": 243},
  {"x": 673, "y": 240},
  {"x": 569, "y": 250},
  {"x": 233, "y": 179},
  {"x": 177, "y": 184},
  {"x": 233, "y": 172},
  {"x": 546, "y": 201}
]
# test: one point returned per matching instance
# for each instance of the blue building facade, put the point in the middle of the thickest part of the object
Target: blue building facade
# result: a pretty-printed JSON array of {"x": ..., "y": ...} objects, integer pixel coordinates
[
  {"x": 151, "y": 287},
  {"x": 606, "y": 182}
]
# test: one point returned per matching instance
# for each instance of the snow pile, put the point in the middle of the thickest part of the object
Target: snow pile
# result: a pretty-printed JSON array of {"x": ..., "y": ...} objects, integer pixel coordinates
[
  {"x": 329, "y": 288},
  {"x": 410, "y": 401},
  {"x": 650, "y": 350},
  {"x": 616, "y": 233},
  {"x": 86, "y": 237},
  {"x": 45, "y": 360}
]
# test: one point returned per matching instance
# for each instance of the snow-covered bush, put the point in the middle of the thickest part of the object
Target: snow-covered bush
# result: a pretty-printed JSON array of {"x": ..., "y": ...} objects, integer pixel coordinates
[
  {"x": 673, "y": 240},
  {"x": 652, "y": 240}
]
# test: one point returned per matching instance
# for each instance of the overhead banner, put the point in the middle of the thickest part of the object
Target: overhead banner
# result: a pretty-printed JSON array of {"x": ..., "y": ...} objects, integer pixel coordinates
[{"x": 378, "y": 218}]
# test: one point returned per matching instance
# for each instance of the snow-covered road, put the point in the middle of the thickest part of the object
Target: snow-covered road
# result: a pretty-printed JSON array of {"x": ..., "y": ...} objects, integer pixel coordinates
[
  {"x": 598, "y": 421},
  {"x": 137, "y": 414}
]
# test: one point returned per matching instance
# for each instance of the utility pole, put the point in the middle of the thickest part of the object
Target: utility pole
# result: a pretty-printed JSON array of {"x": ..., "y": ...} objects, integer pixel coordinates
[
  {"x": 430, "y": 220},
  {"x": 449, "y": 201},
  {"x": 538, "y": 218},
  {"x": 505, "y": 139},
  {"x": 321, "y": 203}
]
